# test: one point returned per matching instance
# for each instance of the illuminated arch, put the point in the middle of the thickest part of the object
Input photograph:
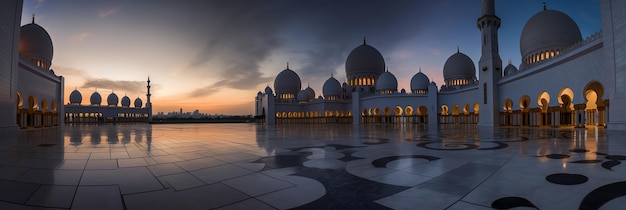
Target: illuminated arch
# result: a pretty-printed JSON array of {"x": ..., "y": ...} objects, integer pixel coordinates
[
  {"x": 53, "y": 106},
  {"x": 565, "y": 98},
  {"x": 387, "y": 111},
  {"x": 376, "y": 111},
  {"x": 507, "y": 105},
  {"x": 466, "y": 108},
  {"x": 397, "y": 111},
  {"x": 364, "y": 112},
  {"x": 20, "y": 100},
  {"x": 409, "y": 110},
  {"x": 422, "y": 110},
  {"x": 444, "y": 110},
  {"x": 455, "y": 109},
  {"x": 32, "y": 103},
  {"x": 524, "y": 103},
  {"x": 476, "y": 108},
  {"x": 592, "y": 88},
  {"x": 543, "y": 100}
]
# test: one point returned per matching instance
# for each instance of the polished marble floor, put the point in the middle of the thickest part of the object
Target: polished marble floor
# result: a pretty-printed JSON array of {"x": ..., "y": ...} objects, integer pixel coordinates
[{"x": 250, "y": 166}]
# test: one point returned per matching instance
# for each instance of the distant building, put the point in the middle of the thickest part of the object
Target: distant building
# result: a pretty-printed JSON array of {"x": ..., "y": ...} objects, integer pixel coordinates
[
  {"x": 563, "y": 80},
  {"x": 112, "y": 111},
  {"x": 31, "y": 94}
]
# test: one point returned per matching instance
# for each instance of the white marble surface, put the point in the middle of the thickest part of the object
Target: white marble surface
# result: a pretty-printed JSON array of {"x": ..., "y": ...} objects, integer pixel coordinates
[{"x": 250, "y": 166}]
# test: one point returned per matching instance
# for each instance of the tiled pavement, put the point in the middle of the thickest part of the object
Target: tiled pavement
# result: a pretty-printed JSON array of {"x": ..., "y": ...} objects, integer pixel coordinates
[{"x": 250, "y": 166}]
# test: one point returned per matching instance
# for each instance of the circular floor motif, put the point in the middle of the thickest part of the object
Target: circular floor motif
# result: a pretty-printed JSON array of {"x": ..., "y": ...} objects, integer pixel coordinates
[
  {"x": 557, "y": 156},
  {"x": 579, "y": 150},
  {"x": 566, "y": 179},
  {"x": 512, "y": 202}
]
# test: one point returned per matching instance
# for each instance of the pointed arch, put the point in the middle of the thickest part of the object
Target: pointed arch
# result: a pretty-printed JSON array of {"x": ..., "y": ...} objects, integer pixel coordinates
[
  {"x": 20, "y": 100},
  {"x": 444, "y": 109},
  {"x": 466, "y": 109},
  {"x": 524, "y": 103},
  {"x": 507, "y": 105},
  {"x": 543, "y": 101}
]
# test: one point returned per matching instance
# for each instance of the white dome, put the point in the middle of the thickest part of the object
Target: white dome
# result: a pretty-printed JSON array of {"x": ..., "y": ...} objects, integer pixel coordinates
[
  {"x": 510, "y": 69},
  {"x": 387, "y": 81},
  {"x": 303, "y": 96},
  {"x": 364, "y": 59},
  {"x": 268, "y": 90},
  {"x": 310, "y": 93},
  {"x": 287, "y": 81},
  {"x": 35, "y": 43},
  {"x": 459, "y": 66},
  {"x": 95, "y": 98},
  {"x": 419, "y": 82},
  {"x": 331, "y": 87},
  {"x": 112, "y": 99},
  {"x": 76, "y": 97},
  {"x": 548, "y": 30},
  {"x": 138, "y": 102},
  {"x": 125, "y": 101}
]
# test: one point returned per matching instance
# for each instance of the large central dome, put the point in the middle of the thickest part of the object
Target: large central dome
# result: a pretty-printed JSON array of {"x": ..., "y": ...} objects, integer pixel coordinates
[
  {"x": 35, "y": 43},
  {"x": 459, "y": 66},
  {"x": 364, "y": 59},
  {"x": 548, "y": 30}
]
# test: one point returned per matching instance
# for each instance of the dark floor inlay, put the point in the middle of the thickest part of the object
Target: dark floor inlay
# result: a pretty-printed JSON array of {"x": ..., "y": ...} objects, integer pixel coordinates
[
  {"x": 567, "y": 179},
  {"x": 600, "y": 153},
  {"x": 615, "y": 157},
  {"x": 346, "y": 191},
  {"x": 587, "y": 161},
  {"x": 47, "y": 145},
  {"x": 382, "y": 162},
  {"x": 579, "y": 150},
  {"x": 557, "y": 156},
  {"x": 348, "y": 156},
  {"x": 282, "y": 161},
  {"x": 512, "y": 202},
  {"x": 448, "y": 146},
  {"x": 499, "y": 145},
  {"x": 336, "y": 146},
  {"x": 610, "y": 164},
  {"x": 602, "y": 195}
]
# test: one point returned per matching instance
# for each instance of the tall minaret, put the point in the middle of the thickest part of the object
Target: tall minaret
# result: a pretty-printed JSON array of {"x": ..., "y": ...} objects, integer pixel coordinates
[
  {"x": 148, "y": 103},
  {"x": 490, "y": 65}
]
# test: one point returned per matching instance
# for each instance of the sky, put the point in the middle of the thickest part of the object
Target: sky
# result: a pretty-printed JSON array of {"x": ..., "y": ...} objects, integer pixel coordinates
[{"x": 215, "y": 55}]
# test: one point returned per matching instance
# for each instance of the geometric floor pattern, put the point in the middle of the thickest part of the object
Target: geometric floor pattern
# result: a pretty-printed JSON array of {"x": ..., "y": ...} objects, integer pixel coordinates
[{"x": 250, "y": 166}]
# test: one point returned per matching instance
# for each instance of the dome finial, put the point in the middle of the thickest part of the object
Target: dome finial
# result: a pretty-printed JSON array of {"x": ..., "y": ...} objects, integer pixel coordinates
[
  {"x": 544, "y": 6},
  {"x": 510, "y": 62},
  {"x": 287, "y": 65},
  {"x": 331, "y": 74},
  {"x": 458, "y": 50},
  {"x": 420, "y": 70},
  {"x": 33, "y": 18},
  {"x": 364, "y": 43}
]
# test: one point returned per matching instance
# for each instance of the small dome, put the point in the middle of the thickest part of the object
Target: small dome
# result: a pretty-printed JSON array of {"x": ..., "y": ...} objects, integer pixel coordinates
[
  {"x": 76, "y": 97},
  {"x": 302, "y": 96},
  {"x": 419, "y": 82},
  {"x": 35, "y": 43},
  {"x": 138, "y": 102},
  {"x": 310, "y": 93},
  {"x": 287, "y": 81},
  {"x": 259, "y": 93},
  {"x": 459, "y": 66},
  {"x": 331, "y": 87},
  {"x": 364, "y": 59},
  {"x": 125, "y": 101},
  {"x": 112, "y": 99},
  {"x": 548, "y": 30},
  {"x": 95, "y": 99},
  {"x": 387, "y": 81},
  {"x": 510, "y": 69},
  {"x": 269, "y": 91}
]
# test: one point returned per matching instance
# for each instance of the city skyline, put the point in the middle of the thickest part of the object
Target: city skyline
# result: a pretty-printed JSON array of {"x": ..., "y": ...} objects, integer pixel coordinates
[{"x": 214, "y": 56}]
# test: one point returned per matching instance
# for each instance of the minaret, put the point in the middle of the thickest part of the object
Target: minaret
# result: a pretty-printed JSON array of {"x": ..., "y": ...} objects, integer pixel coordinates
[
  {"x": 148, "y": 103},
  {"x": 490, "y": 65}
]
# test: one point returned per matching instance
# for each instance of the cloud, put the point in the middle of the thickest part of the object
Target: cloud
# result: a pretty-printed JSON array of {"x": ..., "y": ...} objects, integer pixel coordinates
[
  {"x": 81, "y": 36},
  {"x": 105, "y": 13},
  {"x": 317, "y": 35},
  {"x": 124, "y": 86}
]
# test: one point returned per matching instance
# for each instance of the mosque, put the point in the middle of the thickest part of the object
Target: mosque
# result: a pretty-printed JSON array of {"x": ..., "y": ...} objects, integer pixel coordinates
[
  {"x": 112, "y": 111},
  {"x": 563, "y": 79},
  {"x": 31, "y": 94}
]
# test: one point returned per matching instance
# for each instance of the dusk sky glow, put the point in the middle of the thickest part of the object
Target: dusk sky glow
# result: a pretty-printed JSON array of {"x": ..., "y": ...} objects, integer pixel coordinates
[{"x": 215, "y": 56}]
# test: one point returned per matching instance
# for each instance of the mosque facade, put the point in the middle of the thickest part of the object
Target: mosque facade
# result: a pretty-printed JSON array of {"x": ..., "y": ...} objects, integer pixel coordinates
[
  {"x": 113, "y": 111},
  {"x": 31, "y": 94},
  {"x": 563, "y": 79}
]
